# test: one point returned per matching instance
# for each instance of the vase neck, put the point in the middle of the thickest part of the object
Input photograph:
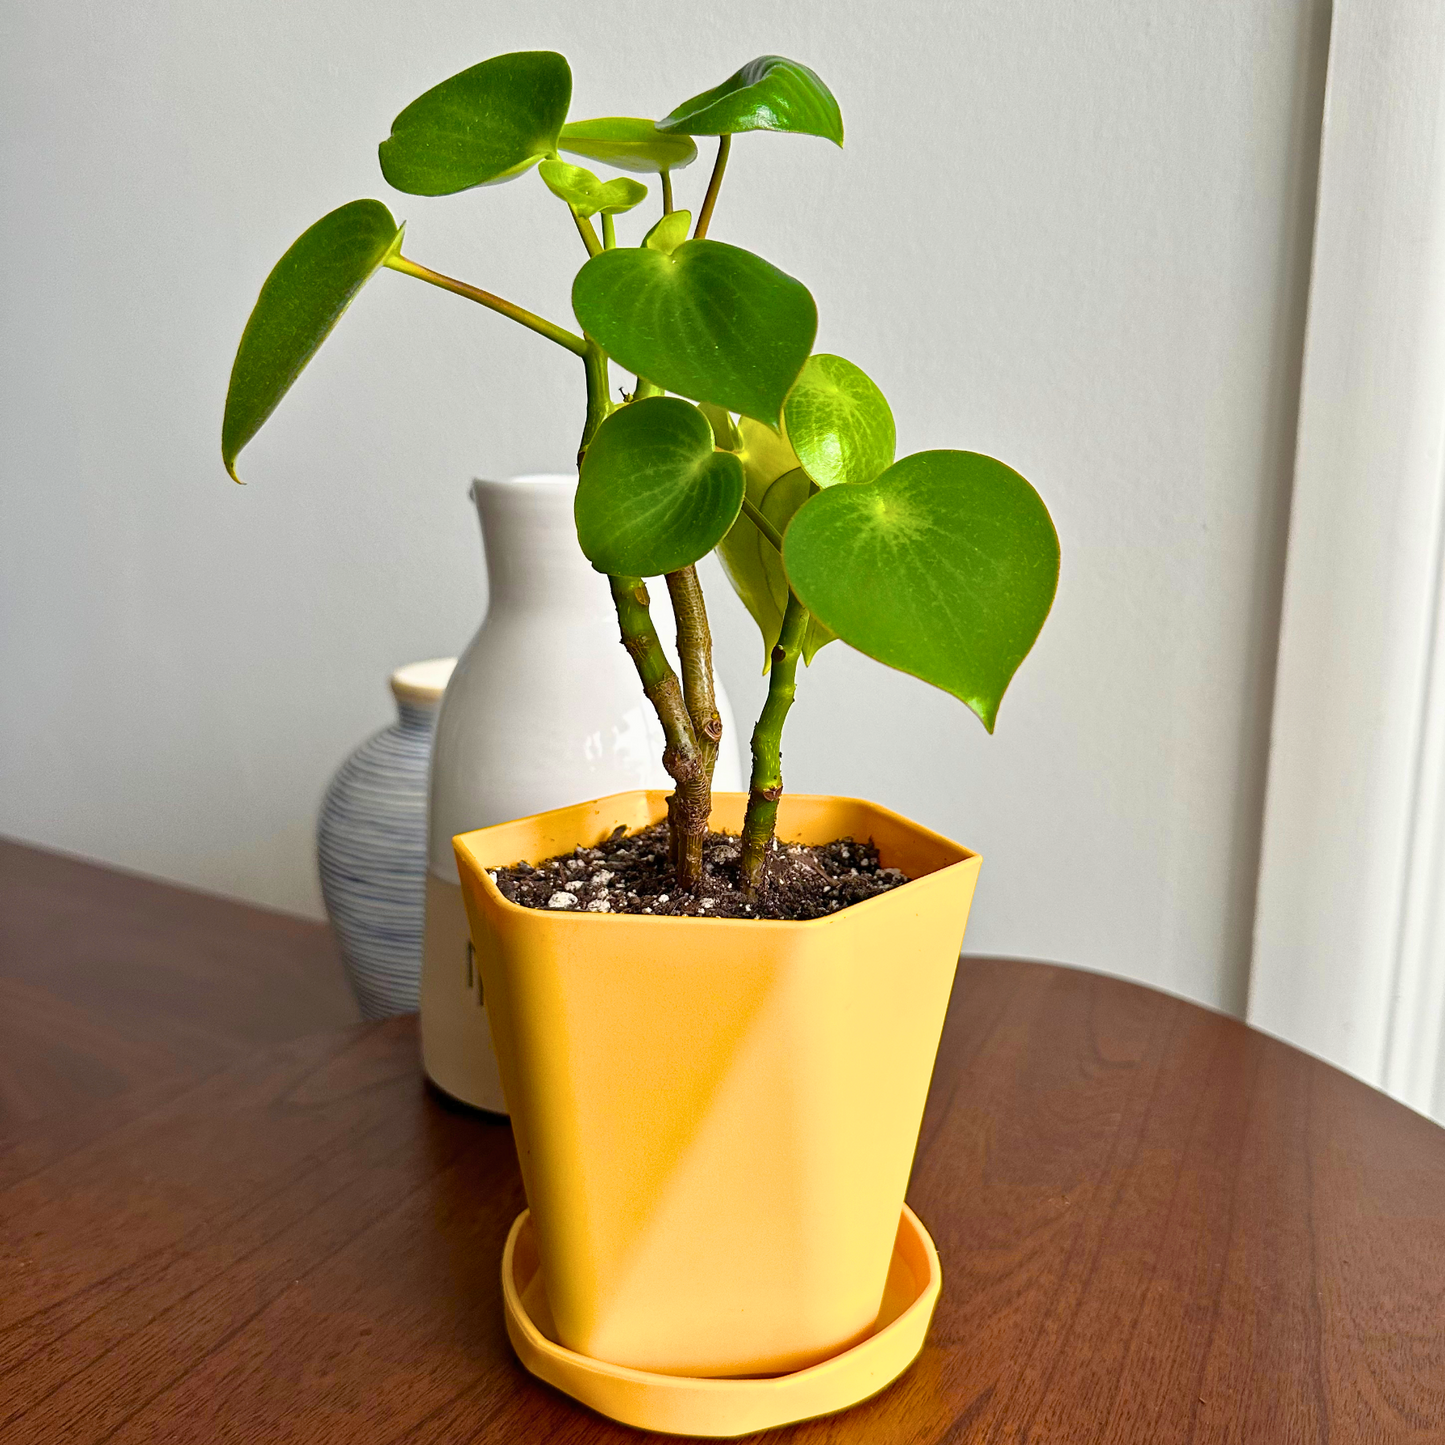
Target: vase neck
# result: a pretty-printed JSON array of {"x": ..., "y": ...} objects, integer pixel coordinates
[
  {"x": 530, "y": 541},
  {"x": 418, "y": 689},
  {"x": 417, "y": 717}
]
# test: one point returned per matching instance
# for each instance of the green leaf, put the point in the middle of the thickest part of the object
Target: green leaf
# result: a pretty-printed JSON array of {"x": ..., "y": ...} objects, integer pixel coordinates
[
  {"x": 654, "y": 495},
  {"x": 710, "y": 321},
  {"x": 944, "y": 567},
  {"x": 669, "y": 233},
  {"x": 769, "y": 93},
  {"x": 487, "y": 124},
  {"x": 627, "y": 144},
  {"x": 720, "y": 419},
  {"x": 585, "y": 193},
  {"x": 303, "y": 298},
  {"x": 777, "y": 487},
  {"x": 838, "y": 422}
]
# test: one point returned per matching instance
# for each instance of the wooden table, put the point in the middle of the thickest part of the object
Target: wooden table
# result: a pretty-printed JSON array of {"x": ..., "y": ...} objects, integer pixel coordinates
[{"x": 227, "y": 1216}]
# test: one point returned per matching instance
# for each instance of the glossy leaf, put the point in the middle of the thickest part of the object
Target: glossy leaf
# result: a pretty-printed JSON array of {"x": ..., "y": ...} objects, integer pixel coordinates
[
  {"x": 586, "y": 194},
  {"x": 710, "y": 321},
  {"x": 769, "y": 93},
  {"x": 669, "y": 233},
  {"x": 944, "y": 567},
  {"x": 838, "y": 422},
  {"x": 654, "y": 495},
  {"x": 627, "y": 144},
  {"x": 302, "y": 299},
  {"x": 486, "y": 124},
  {"x": 778, "y": 487}
]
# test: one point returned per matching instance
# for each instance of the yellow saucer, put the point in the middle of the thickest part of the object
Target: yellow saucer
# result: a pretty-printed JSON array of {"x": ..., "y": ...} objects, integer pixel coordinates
[{"x": 682, "y": 1405}]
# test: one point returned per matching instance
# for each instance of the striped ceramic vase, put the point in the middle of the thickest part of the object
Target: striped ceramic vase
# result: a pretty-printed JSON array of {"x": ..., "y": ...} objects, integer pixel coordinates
[{"x": 371, "y": 845}]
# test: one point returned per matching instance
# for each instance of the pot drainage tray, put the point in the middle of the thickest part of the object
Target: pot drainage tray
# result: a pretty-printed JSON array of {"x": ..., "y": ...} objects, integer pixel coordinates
[{"x": 684, "y": 1405}]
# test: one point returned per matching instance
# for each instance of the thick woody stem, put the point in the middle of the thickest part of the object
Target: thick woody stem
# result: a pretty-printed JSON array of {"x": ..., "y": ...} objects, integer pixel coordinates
[
  {"x": 694, "y": 650},
  {"x": 766, "y": 785},
  {"x": 691, "y": 803}
]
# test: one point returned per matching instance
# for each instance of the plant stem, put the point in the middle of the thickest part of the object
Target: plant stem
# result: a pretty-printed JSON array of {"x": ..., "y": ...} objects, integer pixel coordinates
[
  {"x": 766, "y": 784},
  {"x": 694, "y": 651},
  {"x": 714, "y": 185},
  {"x": 690, "y": 805},
  {"x": 599, "y": 403},
  {"x": 755, "y": 516},
  {"x": 539, "y": 324},
  {"x": 666, "y": 178},
  {"x": 589, "y": 236},
  {"x": 609, "y": 232}
]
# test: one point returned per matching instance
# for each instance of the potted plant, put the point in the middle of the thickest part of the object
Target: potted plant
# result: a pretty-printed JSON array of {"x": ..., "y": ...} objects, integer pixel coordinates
[{"x": 716, "y": 1096}]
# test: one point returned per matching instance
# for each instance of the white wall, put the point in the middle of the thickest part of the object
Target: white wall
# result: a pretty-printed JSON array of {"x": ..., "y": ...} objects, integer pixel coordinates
[
  {"x": 1349, "y": 957},
  {"x": 1073, "y": 235}
]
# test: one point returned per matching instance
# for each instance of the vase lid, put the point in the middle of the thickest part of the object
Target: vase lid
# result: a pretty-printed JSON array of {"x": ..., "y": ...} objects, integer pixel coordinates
[{"x": 422, "y": 682}]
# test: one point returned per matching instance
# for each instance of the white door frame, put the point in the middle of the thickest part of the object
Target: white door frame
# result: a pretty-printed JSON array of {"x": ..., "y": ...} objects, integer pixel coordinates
[{"x": 1349, "y": 955}]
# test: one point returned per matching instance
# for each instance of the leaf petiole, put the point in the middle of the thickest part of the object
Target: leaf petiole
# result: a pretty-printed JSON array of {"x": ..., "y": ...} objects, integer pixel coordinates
[
  {"x": 568, "y": 339},
  {"x": 751, "y": 512},
  {"x": 714, "y": 185},
  {"x": 589, "y": 236},
  {"x": 666, "y": 178},
  {"x": 609, "y": 232}
]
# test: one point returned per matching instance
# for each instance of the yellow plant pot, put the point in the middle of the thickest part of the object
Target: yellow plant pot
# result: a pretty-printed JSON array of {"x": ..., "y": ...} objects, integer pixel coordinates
[{"x": 716, "y": 1118}]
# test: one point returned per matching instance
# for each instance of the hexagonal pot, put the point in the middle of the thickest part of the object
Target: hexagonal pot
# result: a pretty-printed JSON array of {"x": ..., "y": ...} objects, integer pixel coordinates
[{"x": 716, "y": 1118}]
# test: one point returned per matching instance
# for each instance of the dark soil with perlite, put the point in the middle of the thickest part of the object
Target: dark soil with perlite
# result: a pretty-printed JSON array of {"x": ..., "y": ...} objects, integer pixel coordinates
[{"x": 631, "y": 873}]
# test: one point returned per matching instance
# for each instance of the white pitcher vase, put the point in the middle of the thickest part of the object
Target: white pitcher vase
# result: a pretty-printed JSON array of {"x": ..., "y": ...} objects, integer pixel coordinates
[{"x": 544, "y": 709}]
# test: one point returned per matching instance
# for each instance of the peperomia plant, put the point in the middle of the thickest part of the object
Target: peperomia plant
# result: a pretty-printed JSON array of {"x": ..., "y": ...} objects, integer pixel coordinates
[{"x": 735, "y": 436}]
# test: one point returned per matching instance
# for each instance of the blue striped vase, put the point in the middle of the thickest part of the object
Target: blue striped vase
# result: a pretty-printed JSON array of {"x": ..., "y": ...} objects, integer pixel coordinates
[{"x": 371, "y": 843}]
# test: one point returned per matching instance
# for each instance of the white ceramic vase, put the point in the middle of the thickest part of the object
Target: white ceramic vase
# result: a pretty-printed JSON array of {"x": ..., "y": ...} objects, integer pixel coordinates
[{"x": 544, "y": 709}]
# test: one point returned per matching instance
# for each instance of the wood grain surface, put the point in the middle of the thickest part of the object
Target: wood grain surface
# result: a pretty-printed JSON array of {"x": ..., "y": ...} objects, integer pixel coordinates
[
  {"x": 110, "y": 982},
  {"x": 1156, "y": 1226}
]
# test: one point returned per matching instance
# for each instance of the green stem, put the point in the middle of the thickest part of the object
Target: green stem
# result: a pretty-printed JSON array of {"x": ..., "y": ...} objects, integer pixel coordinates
[
  {"x": 647, "y": 388},
  {"x": 589, "y": 236},
  {"x": 666, "y": 178},
  {"x": 539, "y": 324},
  {"x": 714, "y": 185},
  {"x": 599, "y": 400},
  {"x": 691, "y": 802},
  {"x": 609, "y": 232},
  {"x": 694, "y": 651},
  {"x": 766, "y": 784},
  {"x": 752, "y": 513}
]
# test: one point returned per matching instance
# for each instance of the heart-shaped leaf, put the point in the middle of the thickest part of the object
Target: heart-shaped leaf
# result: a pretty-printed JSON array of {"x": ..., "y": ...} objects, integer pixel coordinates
[
  {"x": 838, "y": 422},
  {"x": 709, "y": 321},
  {"x": 487, "y": 124},
  {"x": 627, "y": 144},
  {"x": 777, "y": 486},
  {"x": 303, "y": 298},
  {"x": 944, "y": 567},
  {"x": 769, "y": 93},
  {"x": 586, "y": 194},
  {"x": 654, "y": 495}
]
